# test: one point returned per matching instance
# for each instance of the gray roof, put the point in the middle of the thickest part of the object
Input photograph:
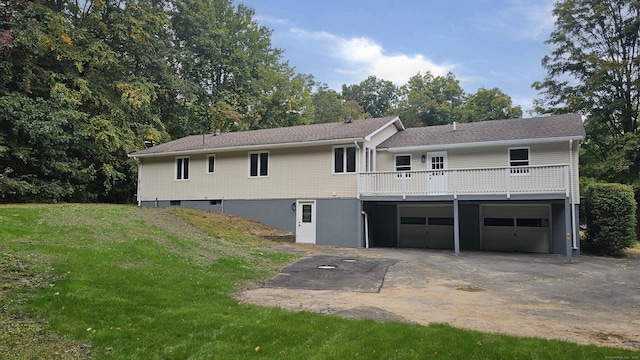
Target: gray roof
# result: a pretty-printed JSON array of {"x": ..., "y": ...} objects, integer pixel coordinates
[
  {"x": 358, "y": 129},
  {"x": 548, "y": 127}
]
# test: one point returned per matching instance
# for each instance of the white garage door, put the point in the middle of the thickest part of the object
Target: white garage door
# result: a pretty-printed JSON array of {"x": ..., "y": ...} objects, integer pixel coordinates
[
  {"x": 422, "y": 226},
  {"x": 522, "y": 228}
]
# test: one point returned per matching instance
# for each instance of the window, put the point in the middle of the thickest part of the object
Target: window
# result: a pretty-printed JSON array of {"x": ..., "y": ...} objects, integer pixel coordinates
[
  {"x": 523, "y": 222},
  {"x": 403, "y": 162},
  {"x": 211, "y": 164},
  {"x": 519, "y": 157},
  {"x": 413, "y": 220},
  {"x": 182, "y": 168},
  {"x": 440, "y": 221},
  {"x": 174, "y": 202},
  {"x": 344, "y": 159},
  {"x": 259, "y": 164},
  {"x": 498, "y": 222},
  {"x": 370, "y": 159}
]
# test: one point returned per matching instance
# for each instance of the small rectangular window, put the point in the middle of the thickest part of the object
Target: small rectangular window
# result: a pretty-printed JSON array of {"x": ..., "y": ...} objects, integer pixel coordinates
[
  {"x": 498, "y": 221},
  {"x": 413, "y": 220},
  {"x": 259, "y": 164},
  {"x": 440, "y": 221},
  {"x": 174, "y": 202},
  {"x": 211, "y": 164},
  {"x": 215, "y": 202},
  {"x": 182, "y": 168},
  {"x": 532, "y": 223},
  {"x": 344, "y": 159}
]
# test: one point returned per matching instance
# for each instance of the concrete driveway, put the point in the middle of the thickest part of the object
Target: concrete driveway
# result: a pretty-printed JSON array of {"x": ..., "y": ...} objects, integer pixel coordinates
[{"x": 592, "y": 300}]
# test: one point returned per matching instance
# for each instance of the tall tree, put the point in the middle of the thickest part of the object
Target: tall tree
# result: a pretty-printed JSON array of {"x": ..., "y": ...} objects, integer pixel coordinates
[
  {"x": 489, "y": 104},
  {"x": 594, "y": 69},
  {"x": 327, "y": 105},
  {"x": 375, "y": 95},
  {"x": 430, "y": 100}
]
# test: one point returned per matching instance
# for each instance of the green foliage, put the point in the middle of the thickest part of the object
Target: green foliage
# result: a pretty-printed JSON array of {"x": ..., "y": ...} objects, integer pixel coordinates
[
  {"x": 375, "y": 95},
  {"x": 133, "y": 283},
  {"x": 327, "y": 105},
  {"x": 489, "y": 104},
  {"x": 83, "y": 84},
  {"x": 594, "y": 69},
  {"x": 610, "y": 213}
]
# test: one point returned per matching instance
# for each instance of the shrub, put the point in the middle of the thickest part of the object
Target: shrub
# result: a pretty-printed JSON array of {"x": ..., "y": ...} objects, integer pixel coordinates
[{"x": 610, "y": 213}]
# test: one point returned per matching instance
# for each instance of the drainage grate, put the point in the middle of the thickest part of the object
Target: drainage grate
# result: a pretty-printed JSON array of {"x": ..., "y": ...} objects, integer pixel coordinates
[{"x": 326, "y": 267}]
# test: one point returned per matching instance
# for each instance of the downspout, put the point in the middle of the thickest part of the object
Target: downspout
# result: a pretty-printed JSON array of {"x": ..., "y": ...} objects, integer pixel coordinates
[
  {"x": 138, "y": 195},
  {"x": 366, "y": 229},
  {"x": 574, "y": 241}
]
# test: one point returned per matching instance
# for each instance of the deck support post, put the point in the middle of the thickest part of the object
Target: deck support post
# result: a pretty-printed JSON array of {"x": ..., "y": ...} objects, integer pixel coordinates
[
  {"x": 568, "y": 229},
  {"x": 456, "y": 227}
]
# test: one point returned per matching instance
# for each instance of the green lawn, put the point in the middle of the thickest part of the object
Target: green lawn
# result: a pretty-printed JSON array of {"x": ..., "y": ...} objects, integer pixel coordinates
[{"x": 120, "y": 282}]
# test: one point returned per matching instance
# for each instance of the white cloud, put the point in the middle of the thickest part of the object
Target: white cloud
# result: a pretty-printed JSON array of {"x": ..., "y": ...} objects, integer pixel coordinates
[
  {"x": 530, "y": 19},
  {"x": 360, "y": 57}
]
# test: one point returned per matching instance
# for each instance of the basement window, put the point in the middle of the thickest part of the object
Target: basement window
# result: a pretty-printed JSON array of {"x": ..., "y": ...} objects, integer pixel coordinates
[{"x": 174, "y": 202}]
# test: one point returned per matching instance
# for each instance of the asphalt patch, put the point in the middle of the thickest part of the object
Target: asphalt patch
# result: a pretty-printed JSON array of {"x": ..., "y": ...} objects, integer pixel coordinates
[{"x": 324, "y": 272}]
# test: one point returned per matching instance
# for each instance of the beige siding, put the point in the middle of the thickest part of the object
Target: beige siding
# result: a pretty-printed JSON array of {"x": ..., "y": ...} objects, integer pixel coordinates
[{"x": 293, "y": 173}]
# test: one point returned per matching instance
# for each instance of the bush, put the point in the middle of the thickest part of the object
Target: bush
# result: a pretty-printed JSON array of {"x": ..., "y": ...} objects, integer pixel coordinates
[{"x": 610, "y": 214}]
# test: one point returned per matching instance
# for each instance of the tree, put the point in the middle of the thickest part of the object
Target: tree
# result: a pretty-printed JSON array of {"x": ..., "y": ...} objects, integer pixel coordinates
[
  {"x": 375, "y": 95},
  {"x": 594, "y": 69},
  {"x": 327, "y": 105},
  {"x": 430, "y": 100},
  {"x": 489, "y": 104},
  {"x": 355, "y": 111}
]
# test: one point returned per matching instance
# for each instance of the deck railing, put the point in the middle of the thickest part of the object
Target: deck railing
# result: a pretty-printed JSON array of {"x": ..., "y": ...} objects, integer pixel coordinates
[{"x": 481, "y": 181}]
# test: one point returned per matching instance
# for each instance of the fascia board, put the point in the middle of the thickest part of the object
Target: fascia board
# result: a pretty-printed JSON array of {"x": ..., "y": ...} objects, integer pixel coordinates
[
  {"x": 395, "y": 120},
  {"x": 249, "y": 148},
  {"x": 482, "y": 144}
]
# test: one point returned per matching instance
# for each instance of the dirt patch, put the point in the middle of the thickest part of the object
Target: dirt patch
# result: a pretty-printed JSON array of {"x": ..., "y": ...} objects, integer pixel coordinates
[{"x": 590, "y": 301}]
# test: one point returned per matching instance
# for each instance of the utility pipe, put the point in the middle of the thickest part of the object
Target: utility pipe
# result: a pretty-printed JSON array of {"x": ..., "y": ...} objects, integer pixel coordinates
[
  {"x": 574, "y": 241},
  {"x": 366, "y": 229}
]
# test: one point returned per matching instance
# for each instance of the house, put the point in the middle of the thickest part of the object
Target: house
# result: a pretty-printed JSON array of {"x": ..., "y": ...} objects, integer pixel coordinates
[{"x": 504, "y": 185}]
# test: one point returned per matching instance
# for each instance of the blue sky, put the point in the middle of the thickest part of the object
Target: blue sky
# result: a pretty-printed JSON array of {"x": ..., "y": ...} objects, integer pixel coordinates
[{"x": 484, "y": 43}]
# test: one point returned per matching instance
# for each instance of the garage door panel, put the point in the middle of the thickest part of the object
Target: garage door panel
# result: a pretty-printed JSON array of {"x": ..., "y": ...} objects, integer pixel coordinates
[
  {"x": 516, "y": 228},
  {"x": 426, "y": 227}
]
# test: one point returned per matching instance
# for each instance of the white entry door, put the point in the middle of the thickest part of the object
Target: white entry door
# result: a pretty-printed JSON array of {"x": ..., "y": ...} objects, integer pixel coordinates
[
  {"x": 437, "y": 179},
  {"x": 306, "y": 221}
]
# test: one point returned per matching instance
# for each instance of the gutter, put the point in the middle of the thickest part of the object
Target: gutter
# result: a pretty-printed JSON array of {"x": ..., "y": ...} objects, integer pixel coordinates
[
  {"x": 479, "y": 144},
  {"x": 246, "y": 147}
]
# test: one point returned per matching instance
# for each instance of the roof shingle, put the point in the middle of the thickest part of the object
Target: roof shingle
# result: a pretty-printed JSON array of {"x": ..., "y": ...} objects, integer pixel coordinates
[
  {"x": 547, "y": 127},
  {"x": 285, "y": 135}
]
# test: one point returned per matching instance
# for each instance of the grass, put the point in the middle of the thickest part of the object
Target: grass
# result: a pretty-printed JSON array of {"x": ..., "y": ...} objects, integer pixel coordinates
[{"x": 120, "y": 282}]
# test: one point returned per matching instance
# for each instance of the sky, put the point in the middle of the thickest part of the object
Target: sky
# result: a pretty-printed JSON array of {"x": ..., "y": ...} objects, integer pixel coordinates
[{"x": 484, "y": 43}]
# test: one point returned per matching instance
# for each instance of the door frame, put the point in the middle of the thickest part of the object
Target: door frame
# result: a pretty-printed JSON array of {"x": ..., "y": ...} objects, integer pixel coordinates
[
  {"x": 441, "y": 185},
  {"x": 310, "y": 237}
]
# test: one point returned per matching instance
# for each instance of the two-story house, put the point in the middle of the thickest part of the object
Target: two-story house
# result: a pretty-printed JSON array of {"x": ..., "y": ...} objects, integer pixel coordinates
[{"x": 504, "y": 185}]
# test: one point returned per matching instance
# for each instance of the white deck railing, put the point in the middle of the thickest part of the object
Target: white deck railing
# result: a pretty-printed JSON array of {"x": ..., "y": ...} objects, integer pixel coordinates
[{"x": 482, "y": 181}]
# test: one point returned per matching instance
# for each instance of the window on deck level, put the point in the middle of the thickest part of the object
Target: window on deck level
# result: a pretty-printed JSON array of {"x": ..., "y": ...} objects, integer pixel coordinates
[{"x": 519, "y": 157}]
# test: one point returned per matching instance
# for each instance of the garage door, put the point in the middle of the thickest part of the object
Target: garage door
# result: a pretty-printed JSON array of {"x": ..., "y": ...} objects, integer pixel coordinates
[
  {"x": 522, "y": 228},
  {"x": 425, "y": 226}
]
